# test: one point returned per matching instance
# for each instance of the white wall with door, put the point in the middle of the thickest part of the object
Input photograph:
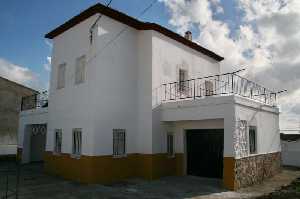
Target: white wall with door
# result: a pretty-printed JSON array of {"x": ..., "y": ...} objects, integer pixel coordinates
[{"x": 28, "y": 118}]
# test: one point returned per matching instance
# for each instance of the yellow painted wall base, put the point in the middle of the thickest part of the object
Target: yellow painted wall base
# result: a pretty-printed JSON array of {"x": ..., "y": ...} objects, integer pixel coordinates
[
  {"x": 229, "y": 173},
  {"x": 108, "y": 169}
]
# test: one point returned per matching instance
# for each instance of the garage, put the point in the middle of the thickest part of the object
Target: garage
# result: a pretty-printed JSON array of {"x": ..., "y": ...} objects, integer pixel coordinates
[{"x": 204, "y": 149}]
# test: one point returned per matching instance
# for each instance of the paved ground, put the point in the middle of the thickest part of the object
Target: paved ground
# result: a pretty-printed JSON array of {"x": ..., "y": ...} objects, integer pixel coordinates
[{"x": 35, "y": 184}]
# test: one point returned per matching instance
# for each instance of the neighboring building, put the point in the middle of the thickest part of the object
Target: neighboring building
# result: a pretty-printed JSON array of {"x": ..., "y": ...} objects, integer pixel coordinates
[
  {"x": 134, "y": 99},
  {"x": 11, "y": 94},
  {"x": 290, "y": 142}
]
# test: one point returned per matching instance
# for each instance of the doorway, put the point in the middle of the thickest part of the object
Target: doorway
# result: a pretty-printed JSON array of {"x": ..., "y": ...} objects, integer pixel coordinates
[
  {"x": 37, "y": 142},
  {"x": 204, "y": 149}
]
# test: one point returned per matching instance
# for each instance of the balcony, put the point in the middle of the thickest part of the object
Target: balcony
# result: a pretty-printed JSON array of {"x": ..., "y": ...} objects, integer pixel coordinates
[
  {"x": 35, "y": 101},
  {"x": 217, "y": 85}
]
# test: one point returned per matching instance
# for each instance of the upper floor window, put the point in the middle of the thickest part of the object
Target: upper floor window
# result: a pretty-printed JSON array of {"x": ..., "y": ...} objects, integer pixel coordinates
[
  {"x": 77, "y": 140},
  {"x": 182, "y": 79},
  {"x": 119, "y": 142},
  {"x": 58, "y": 140},
  {"x": 209, "y": 87},
  {"x": 252, "y": 139},
  {"x": 80, "y": 69},
  {"x": 61, "y": 73}
]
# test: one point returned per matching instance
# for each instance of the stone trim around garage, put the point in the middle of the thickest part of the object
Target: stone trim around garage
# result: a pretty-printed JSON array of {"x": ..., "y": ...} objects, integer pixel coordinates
[{"x": 254, "y": 169}]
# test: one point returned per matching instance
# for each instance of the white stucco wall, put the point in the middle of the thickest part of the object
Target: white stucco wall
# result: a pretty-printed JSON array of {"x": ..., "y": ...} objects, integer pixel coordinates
[
  {"x": 120, "y": 78},
  {"x": 223, "y": 112},
  {"x": 26, "y": 118},
  {"x": 266, "y": 120},
  {"x": 169, "y": 56},
  {"x": 107, "y": 99},
  {"x": 8, "y": 149},
  {"x": 207, "y": 112},
  {"x": 291, "y": 153}
]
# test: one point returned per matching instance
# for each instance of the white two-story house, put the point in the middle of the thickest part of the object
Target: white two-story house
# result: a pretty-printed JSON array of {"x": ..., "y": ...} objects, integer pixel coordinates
[{"x": 134, "y": 99}]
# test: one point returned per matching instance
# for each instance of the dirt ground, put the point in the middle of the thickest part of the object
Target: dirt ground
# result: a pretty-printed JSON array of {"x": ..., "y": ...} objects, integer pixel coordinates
[
  {"x": 291, "y": 191},
  {"x": 35, "y": 184}
]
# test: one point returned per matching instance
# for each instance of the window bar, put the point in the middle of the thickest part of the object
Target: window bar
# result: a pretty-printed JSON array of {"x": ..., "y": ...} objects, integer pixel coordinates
[
  {"x": 165, "y": 92},
  {"x": 194, "y": 89}
]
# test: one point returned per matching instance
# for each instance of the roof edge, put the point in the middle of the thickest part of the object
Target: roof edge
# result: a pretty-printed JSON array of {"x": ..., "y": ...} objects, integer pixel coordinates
[
  {"x": 18, "y": 84},
  {"x": 132, "y": 22}
]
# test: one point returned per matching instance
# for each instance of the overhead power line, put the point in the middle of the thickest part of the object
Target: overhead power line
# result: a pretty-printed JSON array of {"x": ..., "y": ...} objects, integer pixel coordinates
[
  {"x": 123, "y": 30},
  {"x": 95, "y": 23}
]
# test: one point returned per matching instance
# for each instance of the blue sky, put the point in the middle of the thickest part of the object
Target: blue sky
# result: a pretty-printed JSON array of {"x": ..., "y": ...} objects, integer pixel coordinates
[{"x": 24, "y": 24}]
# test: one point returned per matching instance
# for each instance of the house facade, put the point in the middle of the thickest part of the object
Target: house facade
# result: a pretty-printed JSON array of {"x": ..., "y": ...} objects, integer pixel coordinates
[
  {"x": 134, "y": 99},
  {"x": 11, "y": 94}
]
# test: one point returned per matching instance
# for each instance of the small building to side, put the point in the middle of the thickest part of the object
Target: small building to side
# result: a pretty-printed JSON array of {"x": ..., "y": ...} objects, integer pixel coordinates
[
  {"x": 290, "y": 142},
  {"x": 11, "y": 94}
]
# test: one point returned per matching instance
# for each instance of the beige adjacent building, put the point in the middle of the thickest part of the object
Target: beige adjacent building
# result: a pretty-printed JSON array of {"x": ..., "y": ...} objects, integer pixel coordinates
[{"x": 11, "y": 94}]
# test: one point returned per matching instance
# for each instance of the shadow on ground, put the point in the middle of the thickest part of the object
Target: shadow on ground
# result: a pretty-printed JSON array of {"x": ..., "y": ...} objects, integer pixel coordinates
[{"x": 35, "y": 184}]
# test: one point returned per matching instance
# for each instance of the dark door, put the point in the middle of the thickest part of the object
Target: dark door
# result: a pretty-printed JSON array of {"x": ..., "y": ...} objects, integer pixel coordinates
[
  {"x": 205, "y": 152},
  {"x": 37, "y": 149}
]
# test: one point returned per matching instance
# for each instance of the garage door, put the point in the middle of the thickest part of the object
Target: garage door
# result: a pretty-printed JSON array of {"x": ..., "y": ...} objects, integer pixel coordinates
[{"x": 205, "y": 152}]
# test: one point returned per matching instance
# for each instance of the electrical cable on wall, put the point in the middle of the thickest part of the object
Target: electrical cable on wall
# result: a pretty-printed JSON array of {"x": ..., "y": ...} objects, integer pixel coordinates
[
  {"x": 95, "y": 23},
  {"x": 122, "y": 31}
]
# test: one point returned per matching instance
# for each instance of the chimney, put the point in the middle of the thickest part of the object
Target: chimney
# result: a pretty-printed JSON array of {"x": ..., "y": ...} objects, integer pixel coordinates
[{"x": 188, "y": 35}]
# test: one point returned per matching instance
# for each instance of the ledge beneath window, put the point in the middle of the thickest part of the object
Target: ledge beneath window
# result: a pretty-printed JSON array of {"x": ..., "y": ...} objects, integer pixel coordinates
[
  {"x": 171, "y": 156},
  {"x": 120, "y": 156},
  {"x": 56, "y": 153},
  {"x": 75, "y": 156}
]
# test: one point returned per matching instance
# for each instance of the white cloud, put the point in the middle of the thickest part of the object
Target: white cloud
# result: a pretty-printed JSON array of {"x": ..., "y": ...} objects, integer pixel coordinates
[
  {"x": 20, "y": 74},
  {"x": 47, "y": 66},
  {"x": 49, "y": 44},
  {"x": 267, "y": 41}
]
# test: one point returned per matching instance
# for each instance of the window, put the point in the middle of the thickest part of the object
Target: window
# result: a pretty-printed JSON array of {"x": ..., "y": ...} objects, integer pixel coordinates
[
  {"x": 61, "y": 73},
  {"x": 80, "y": 70},
  {"x": 252, "y": 140},
  {"x": 170, "y": 145},
  {"x": 58, "y": 140},
  {"x": 119, "y": 144},
  {"x": 209, "y": 88},
  {"x": 182, "y": 80},
  {"x": 77, "y": 137}
]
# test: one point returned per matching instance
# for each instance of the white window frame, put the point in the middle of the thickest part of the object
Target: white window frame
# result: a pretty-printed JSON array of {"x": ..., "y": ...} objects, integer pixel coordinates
[
  {"x": 80, "y": 70},
  {"x": 249, "y": 140},
  {"x": 61, "y": 76},
  {"x": 119, "y": 142},
  {"x": 170, "y": 145},
  {"x": 57, "y": 141},
  {"x": 76, "y": 142}
]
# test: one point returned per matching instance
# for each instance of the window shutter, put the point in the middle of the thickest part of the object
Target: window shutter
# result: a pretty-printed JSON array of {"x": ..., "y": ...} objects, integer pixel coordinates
[
  {"x": 80, "y": 70},
  {"x": 61, "y": 73}
]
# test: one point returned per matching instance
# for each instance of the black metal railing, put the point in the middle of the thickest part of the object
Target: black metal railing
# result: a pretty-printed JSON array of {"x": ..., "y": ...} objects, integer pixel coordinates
[
  {"x": 216, "y": 85},
  {"x": 39, "y": 100}
]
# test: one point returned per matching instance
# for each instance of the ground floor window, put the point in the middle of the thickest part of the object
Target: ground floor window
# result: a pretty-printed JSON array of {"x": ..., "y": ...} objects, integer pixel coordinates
[
  {"x": 77, "y": 142},
  {"x": 119, "y": 142},
  {"x": 58, "y": 140},
  {"x": 170, "y": 144},
  {"x": 252, "y": 140}
]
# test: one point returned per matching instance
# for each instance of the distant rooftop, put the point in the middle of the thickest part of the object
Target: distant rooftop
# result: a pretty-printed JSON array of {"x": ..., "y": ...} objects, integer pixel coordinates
[{"x": 18, "y": 84}]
